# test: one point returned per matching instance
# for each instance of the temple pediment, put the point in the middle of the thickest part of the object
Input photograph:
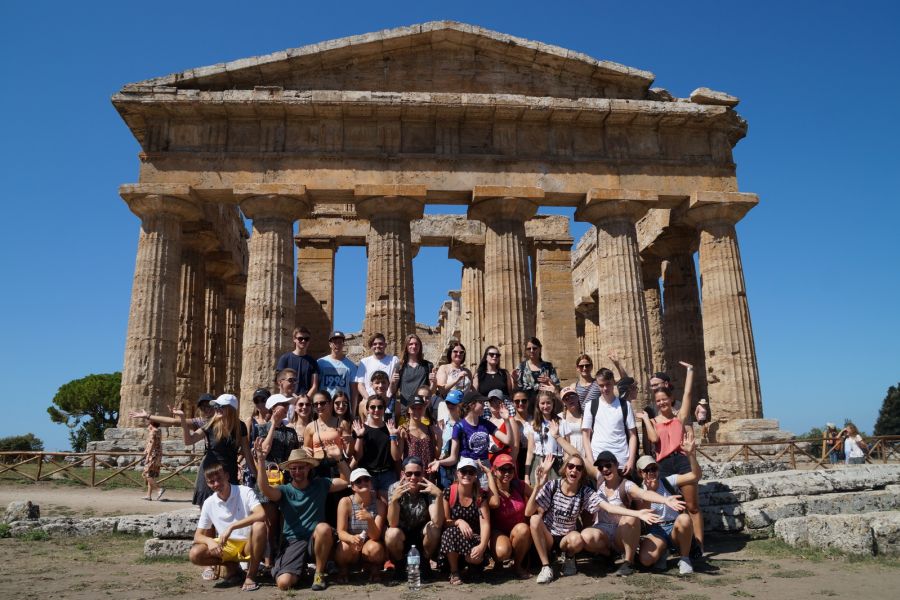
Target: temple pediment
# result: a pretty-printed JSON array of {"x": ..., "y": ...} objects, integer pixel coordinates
[{"x": 436, "y": 57}]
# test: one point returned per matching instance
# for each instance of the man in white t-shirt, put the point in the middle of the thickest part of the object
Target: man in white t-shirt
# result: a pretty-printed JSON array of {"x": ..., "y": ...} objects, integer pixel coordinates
[
  {"x": 377, "y": 361},
  {"x": 337, "y": 372},
  {"x": 234, "y": 512},
  {"x": 607, "y": 430}
]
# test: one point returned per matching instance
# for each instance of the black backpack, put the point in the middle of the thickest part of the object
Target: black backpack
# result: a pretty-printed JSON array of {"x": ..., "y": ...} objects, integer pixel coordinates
[{"x": 623, "y": 404}]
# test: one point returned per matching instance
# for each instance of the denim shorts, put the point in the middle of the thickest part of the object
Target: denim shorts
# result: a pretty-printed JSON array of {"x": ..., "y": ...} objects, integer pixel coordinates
[{"x": 663, "y": 531}]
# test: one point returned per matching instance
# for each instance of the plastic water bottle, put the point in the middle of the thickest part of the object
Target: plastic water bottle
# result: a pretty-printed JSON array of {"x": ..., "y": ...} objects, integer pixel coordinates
[{"x": 413, "y": 577}]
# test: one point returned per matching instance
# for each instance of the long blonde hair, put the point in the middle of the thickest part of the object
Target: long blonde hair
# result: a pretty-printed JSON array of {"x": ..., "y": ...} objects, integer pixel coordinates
[{"x": 227, "y": 425}]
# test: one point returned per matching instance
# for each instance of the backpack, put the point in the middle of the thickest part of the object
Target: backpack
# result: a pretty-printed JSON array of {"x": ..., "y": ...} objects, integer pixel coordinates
[
  {"x": 454, "y": 495},
  {"x": 623, "y": 404}
]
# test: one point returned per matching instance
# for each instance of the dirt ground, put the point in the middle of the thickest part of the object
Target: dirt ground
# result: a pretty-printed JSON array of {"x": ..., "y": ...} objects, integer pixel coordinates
[
  {"x": 113, "y": 566},
  {"x": 63, "y": 500}
]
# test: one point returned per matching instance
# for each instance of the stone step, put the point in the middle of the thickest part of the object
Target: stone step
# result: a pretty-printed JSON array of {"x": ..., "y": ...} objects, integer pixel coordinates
[{"x": 872, "y": 533}]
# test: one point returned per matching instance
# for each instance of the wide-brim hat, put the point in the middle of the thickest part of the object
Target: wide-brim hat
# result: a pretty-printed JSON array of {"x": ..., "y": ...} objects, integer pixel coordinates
[
  {"x": 298, "y": 456},
  {"x": 703, "y": 401}
]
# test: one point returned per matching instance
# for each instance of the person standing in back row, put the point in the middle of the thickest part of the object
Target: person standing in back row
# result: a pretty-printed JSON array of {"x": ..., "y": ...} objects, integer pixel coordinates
[
  {"x": 608, "y": 425},
  {"x": 369, "y": 365},
  {"x": 337, "y": 372},
  {"x": 303, "y": 364}
]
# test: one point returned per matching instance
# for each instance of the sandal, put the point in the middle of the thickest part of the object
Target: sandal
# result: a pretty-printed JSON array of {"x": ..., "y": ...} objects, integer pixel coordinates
[
  {"x": 455, "y": 579},
  {"x": 249, "y": 586},
  {"x": 209, "y": 574}
]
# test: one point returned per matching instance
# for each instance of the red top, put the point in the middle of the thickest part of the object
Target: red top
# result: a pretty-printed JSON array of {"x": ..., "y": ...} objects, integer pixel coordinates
[
  {"x": 511, "y": 511},
  {"x": 670, "y": 435}
]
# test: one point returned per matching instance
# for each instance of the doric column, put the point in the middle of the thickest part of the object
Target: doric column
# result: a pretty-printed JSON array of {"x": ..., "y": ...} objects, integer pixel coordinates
[
  {"x": 588, "y": 316},
  {"x": 622, "y": 314},
  {"x": 471, "y": 298},
  {"x": 650, "y": 272},
  {"x": 732, "y": 372},
  {"x": 218, "y": 270},
  {"x": 390, "y": 300},
  {"x": 151, "y": 344},
  {"x": 508, "y": 305},
  {"x": 235, "y": 293},
  {"x": 315, "y": 290},
  {"x": 189, "y": 364},
  {"x": 269, "y": 307},
  {"x": 682, "y": 321},
  {"x": 453, "y": 315},
  {"x": 555, "y": 304}
]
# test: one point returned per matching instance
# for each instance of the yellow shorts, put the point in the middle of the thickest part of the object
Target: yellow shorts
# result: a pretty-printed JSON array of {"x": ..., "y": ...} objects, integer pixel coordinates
[{"x": 233, "y": 551}]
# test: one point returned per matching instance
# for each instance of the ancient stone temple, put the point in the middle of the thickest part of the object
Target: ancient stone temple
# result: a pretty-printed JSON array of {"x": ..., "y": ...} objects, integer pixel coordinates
[{"x": 347, "y": 142}]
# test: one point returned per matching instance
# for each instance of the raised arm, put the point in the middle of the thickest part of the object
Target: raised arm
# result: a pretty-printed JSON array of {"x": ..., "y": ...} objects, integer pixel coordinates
[
  {"x": 684, "y": 412},
  {"x": 690, "y": 449},
  {"x": 618, "y": 365},
  {"x": 192, "y": 437},
  {"x": 158, "y": 419},
  {"x": 571, "y": 450},
  {"x": 532, "y": 507},
  {"x": 649, "y": 426},
  {"x": 395, "y": 440},
  {"x": 506, "y": 437},
  {"x": 273, "y": 494}
]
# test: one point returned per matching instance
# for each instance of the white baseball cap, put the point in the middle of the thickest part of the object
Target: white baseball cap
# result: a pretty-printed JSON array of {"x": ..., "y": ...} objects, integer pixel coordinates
[
  {"x": 276, "y": 399},
  {"x": 357, "y": 473},
  {"x": 467, "y": 462},
  {"x": 226, "y": 400}
]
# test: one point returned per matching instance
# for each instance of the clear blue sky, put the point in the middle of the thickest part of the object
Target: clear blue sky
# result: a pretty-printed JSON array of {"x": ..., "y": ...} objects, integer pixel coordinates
[{"x": 817, "y": 81}]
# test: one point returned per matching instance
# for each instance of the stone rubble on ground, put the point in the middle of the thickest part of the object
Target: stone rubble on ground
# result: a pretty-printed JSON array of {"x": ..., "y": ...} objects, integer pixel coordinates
[{"x": 872, "y": 533}]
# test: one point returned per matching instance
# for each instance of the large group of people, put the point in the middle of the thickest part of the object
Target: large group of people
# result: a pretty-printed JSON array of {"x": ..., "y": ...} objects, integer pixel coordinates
[{"x": 347, "y": 466}]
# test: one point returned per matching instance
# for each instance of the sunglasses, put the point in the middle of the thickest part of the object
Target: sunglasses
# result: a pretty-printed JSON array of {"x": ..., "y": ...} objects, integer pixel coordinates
[
  {"x": 651, "y": 469},
  {"x": 377, "y": 407},
  {"x": 301, "y": 339},
  {"x": 574, "y": 467},
  {"x": 303, "y": 405},
  {"x": 413, "y": 473},
  {"x": 340, "y": 403},
  {"x": 362, "y": 479},
  {"x": 318, "y": 404},
  {"x": 608, "y": 465},
  {"x": 494, "y": 354},
  {"x": 521, "y": 401},
  {"x": 507, "y": 469},
  {"x": 290, "y": 379},
  {"x": 587, "y": 366},
  {"x": 468, "y": 472}
]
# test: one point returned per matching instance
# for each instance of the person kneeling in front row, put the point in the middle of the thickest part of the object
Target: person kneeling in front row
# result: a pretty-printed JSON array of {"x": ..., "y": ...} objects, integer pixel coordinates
[
  {"x": 674, "y": 531},
  {"x": 414, "y": 515},
  {"x": 302, "y": 505},
  {"x": 234, "y": 512}
]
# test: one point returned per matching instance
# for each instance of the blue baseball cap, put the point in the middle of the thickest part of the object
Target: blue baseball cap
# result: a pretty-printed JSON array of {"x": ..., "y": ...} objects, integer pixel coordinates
[{"x": 454, "y": 397}]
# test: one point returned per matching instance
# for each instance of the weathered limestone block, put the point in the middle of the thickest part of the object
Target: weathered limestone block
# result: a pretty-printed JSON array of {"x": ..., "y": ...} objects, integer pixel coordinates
[
  {"x": 21, "y": 510},
  {"x": 189, "y": 366},
  {"x": 164, "y": 548},
  {"x": 705, "y": 95},
  {"x": 851, "y": 534},
  {"x": 726, "y": 470},
  {"x": 723, "y": 517},
  {"x": 759, "y": 514},
  {"x": 179, "y": 524},
  {"x": 682, "y": 320},
  {"x": 136, "y": 524},
  {"x": 471, "y": 300},
  {"x": 70, "y": 526},
  {"x": 886, "y": 534}
]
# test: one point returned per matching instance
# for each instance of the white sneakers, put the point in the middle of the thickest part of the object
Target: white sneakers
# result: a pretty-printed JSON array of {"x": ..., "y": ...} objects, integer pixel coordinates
[
  {"x": 569, "y": 567},
  {"x": 546, "y": 574},
  {"x": 684, "y": 566}
]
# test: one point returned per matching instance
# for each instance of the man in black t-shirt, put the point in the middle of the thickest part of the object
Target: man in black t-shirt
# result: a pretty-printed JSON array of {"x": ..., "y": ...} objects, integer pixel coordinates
[{"x": 306, "y": 366}]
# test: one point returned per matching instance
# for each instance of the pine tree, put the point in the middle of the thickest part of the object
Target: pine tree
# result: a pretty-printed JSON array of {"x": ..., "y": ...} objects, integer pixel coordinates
[{"x": 888, "y": 422}]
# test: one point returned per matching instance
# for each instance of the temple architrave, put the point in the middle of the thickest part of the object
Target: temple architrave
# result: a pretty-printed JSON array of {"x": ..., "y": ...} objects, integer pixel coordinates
[{"x": 348, "y": 142}]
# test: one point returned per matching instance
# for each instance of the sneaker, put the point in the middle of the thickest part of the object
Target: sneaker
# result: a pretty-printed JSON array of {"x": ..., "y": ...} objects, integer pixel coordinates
[
  {"x": 624, "y": 570},
  {"x": 318, "y": 583},
  {"x": 684, "y": 566},
  {"x": 159, "y": 494},
  {"x": 569, "y": 567},
  {"x": 662, "y": 564},
  {"x": 546, "y": 574}
]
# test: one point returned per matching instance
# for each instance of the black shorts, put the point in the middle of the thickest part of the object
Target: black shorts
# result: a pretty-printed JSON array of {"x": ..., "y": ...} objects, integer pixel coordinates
[
  {"x": 674, "y": 464},
  {"x": 292, "y": 558}
]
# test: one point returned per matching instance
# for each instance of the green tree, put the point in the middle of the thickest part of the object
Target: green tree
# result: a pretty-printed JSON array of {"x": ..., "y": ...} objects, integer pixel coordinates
[
  {"x": 87, "y": 406},
  {"x": 888, "y": 422},
  {"x": 25, "y": 443}
]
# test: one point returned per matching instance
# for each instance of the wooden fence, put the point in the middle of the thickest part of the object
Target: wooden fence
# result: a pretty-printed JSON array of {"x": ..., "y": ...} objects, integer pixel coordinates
[{"x": 93, "y": 469}]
